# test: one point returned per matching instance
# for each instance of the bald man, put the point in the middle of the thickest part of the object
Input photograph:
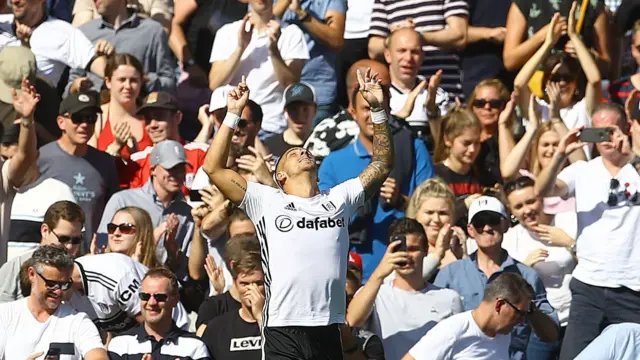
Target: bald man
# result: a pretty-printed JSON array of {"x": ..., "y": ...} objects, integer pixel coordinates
[{"x": 368, "y": 229}]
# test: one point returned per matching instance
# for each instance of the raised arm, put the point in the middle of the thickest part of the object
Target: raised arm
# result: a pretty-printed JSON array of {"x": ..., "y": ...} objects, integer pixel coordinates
[
  {"x": 383, "y": 153},
  {"x": 230, "y": 183},
  {"x": 510, "y": 165},
  {"x": 453, "y": 36},
  {"x": 547, "y": 183},
  {"x": 27, "y": 153},
  {"x": 553, "y": 93},
  {"x": 221, "y": 71}
]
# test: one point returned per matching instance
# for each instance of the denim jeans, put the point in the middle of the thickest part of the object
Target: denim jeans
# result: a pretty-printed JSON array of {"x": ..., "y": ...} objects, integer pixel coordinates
[{"x": 594, "y": 308}]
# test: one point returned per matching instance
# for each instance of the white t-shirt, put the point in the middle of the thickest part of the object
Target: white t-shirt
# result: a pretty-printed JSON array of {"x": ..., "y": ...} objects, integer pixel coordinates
[
  {"x": 111, "y": 283},
  {"x": 305, "y": 244},
  {"x": 608, "y": 238},
  {"x": 256, "y": 65},
  {"x": 400, "y": 318},
  {"x": 460, "y": 338},
  {"x": 22, "y": 335},
  {"x": 573, "y": 116},
  {"x": 358, "y": 19},
  {"x": 555, "y": 271},
  {"x": 418, "y": 116},
  {"x": 56, "y": 44},
  {"x": 7, "y": 193},
  {"x": 32, "y": 202}
]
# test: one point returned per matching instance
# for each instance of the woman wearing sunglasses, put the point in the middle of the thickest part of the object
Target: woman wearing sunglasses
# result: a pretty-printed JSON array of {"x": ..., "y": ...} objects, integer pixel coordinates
[
  {"x": 131, "y": 233},
  {"x": 563, "y": 70}
]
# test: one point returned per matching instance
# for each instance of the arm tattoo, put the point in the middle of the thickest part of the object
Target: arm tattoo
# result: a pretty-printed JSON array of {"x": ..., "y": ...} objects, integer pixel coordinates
[
  {"x": 238, "y": 184},
  {"x": 382, "y": 162}
]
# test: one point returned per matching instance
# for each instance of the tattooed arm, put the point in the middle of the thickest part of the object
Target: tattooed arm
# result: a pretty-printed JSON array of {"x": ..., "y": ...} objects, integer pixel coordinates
[
  {"x": 230, "y": 183},
  {"x": 383, "y": 157}
]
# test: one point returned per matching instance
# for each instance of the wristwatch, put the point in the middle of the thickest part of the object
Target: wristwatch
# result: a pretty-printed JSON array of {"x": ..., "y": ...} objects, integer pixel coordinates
[{"x": 26, "y": 122}]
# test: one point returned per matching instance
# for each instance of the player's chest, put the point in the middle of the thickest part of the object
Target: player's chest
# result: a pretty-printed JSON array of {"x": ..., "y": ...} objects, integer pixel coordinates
[{"x": 327, "y": 215}]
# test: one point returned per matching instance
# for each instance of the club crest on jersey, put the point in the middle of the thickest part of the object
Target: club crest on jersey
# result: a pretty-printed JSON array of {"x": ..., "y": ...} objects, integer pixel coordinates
[{"x": 330, "y": 207}]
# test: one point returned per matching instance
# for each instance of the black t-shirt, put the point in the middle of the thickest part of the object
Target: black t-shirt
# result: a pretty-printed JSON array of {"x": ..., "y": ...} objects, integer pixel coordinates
[
  {"x": 277, "y": 145},
  {"x": 462, "y": 186},
  {"x": 216, "y": 306},
  {"x": 228, "y": 337},
  {"x": 489, "y": 161}
]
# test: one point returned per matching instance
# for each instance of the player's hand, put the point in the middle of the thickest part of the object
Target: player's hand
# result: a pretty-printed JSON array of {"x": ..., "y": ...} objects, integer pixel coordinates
[
  {"x": 410, "y": 102},
  {"x": 25, "y": 103},
  {"x": 432, "y": 91},
  {"x": 244, "y": 35},
  {"x": 570, "y": 142},
  {"x": 204, "y": 117},
  {"x": 555, "y": 29},
  {"x": 215, "y": 274},
  {"x": 408, "y": 23},
  {"x": 390, "y": 191},
  {"x": 274, "y": 36},
  {"x": 554, "y": 235},
  {"x": 371, "y": 89},
  {"x": 23, "y": 33},
  {"x": 104, "y": 48},
  {"x": 238, "y": 97},
  {"x": 507, "y": 113},
  {"x": 459, "y": 243},
  {"x": 81, "y": 84},
  {"x": 35, "y": 356},
  {"x": 170, "y": 241},
  {"x": 535, "y": 257},
  {"x": 391, "y": 261},
  {"x": 256, "y": 299},
  {"x": 257, "y": 165},
  {"x": 443, "y": 241},
  {"x": 199, "y": 213},
  {"x": 571, "y": 25},
  {"x": 496, "y": 35}
]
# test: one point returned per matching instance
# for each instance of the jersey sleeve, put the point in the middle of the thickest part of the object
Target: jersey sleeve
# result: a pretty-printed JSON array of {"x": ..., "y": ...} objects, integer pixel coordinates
[
  {"x": 352, "y": 192},
  {"x": 87, "y": 336},
  {"x": 127, "y": 293},
  {"x": 64, "y": 43},
  {"x": 255, "y": 197},
  {"x": 437, "y": 344},
  {"x": 569, "y": 175},
  {"x": 293, "y": 46}
]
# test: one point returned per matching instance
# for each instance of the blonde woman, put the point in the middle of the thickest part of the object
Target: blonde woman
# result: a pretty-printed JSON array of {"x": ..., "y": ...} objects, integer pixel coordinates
[{"x": 131, "y": 233}]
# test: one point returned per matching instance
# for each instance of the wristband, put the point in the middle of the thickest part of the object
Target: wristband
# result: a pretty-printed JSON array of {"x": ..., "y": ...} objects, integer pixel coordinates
[
  {"x": 378, "y": 116},
  {"x": 231, "y": 120}
]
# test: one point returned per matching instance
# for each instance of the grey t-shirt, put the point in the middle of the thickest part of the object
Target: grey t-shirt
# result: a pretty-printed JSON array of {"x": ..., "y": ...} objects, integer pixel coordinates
[{"x": 92, "y": 178}]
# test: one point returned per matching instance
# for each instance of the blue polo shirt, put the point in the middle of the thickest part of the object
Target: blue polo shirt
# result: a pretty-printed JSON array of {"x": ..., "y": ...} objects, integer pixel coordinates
[
  {"x": 348, "y": 163},
  {"x": 465, "y": 277},
  {"x": 320, "y": 70}
]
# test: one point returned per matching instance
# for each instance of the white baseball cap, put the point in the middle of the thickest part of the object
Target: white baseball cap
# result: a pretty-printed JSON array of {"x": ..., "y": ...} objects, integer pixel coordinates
[
  {"x": 219, "y": 98},
  {"x": 487, "y": 203}
]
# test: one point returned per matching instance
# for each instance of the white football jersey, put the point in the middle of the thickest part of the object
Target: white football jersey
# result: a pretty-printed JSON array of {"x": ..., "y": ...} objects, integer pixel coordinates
[
  {"x": 111, "y": 283},
  {"x": 305, "y": 244}
]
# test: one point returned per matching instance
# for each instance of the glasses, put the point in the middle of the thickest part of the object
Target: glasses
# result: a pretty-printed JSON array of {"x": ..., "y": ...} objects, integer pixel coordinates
[
  {"x": 494, "y": 104},
  {"x": 520, "y": 183},
  {"x": 481, "y": 220},
  {"x": 521, "y": 314},
  {"x": 159, "y": 115},
  {"x": 80, "y": 118},
  {"x": 53, "y": 285},
  {"x": 613, "y": 197},
  {"x": 63, "y": 239},
  {"x": 159, "y": 297},
  {"x": 561, "y": 77},
  {"x": 125, "y": 228},
  {"x": 242, "y": 123}
]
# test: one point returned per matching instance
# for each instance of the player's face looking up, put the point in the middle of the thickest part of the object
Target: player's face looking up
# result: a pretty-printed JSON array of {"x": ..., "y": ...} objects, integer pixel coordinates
[{"x": 294, "y": 162}]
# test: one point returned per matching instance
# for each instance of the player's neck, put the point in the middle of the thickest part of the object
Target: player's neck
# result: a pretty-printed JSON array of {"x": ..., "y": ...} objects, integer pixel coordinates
[
  {"x": 72, "y": 149},
  {"x": 483, "y": 320},
  {"x": 490, "y": 259},
  {"x": 457, "y": 166},
  {"x": 233, "y": 291},
  {"x": 260, "y": 21},
  {"x": 302, "y": 188},
  {"x": 118, "y": 16},
  {"x": 411, "y": 282},
  {"x": 290, "y": 137},
  {"x": 245, "y": 314},
  {"x": 165, "y": 197},
  {"x": 367, "y": 142},
  {"x": 40, "y": 313},
  {"x": 405, "y": 85},
  {"x": 160, "y": 329}
]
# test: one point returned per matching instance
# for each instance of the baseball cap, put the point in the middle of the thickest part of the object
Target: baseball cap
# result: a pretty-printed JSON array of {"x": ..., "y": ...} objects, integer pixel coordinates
[
  {"x": 355, "y": 261},
  {"x": 10, "y": 135},
  {"x": 487, "y": 203},
  {"x": 159, "y": 100},
  {"x": 635, "y": 108},
  {"x": 77, "y": 102},
  {"x": 299, "y": 92},
  {"x": 219, "y": 98},
  {"x": 168, "y": 153},
  {"x": 16, "y": 63}
]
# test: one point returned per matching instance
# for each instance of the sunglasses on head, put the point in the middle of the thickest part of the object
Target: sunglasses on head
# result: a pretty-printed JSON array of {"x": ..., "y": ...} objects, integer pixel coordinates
[
  {"x": 125, "y": 228},
  {"x": 520, "y": 183},
  {"x": 63, "y": 239},
  {"x": 561, "y": 77},
  {"x": 481, "y": 220},
  {"x": 53, "y": 285},
  {"x": 494, "y": 104},
  {"x": 159, "y": 297},
  {"x": 612, "y": 200},
  {"x": 81, "y": 118}
]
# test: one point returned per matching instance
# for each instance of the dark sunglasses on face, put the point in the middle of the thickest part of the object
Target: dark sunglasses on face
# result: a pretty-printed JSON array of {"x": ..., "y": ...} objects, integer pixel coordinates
[
  {"x": 521, "y": 314},
  {"x": 162, "y": 115},
  {"x": 63, "y": 239},
  {"x": 494, "y": 104},
  {"x": 242, "y": 123},
  {"x": 53, "y": 285},
  {"x": 159, "y": 297},
  {"x": 481, "y": 220},
  {"x": 125, "y": 228},
  {"x": 80, "y": 118},
  {"x": 561, "y": 77}
]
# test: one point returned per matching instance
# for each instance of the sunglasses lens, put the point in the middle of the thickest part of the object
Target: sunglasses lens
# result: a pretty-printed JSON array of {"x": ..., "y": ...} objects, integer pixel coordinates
[
  {"x": 127, "y": 229},
  {"x": 480, "y": 221},
  {"x": 496, "y": 104},
  {"x": 144, "y": 296},
  {"x": 161, "y": 297},
  {"x": 479, "y": 103},
  {"x": 111, "y": 228},
  {"x": 75, "y": 240},
  {"x": 242, "y": 123}
]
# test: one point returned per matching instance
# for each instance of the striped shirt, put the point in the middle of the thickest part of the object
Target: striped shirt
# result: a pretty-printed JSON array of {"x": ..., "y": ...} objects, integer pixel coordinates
[
  {"x": 176, "y": 344},
  {"x": 428, "y": 16}
]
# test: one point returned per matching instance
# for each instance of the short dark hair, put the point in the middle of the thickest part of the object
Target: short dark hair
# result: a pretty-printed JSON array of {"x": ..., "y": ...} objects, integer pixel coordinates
[
  {"x": 256, "y": 111},
  {"x": 406, "y": 226},
  {"x": 510, "y": 286},
  {"x": 517, "y": 184},
  {"x": 162, "y": 272},
  {"x": 51, "y": 255},
  {"x": 63, "y": 210},
  {"x": 242, "y": 254},
  {"x": 238, "y": 215},
  {"x": 25, "y": 283}
]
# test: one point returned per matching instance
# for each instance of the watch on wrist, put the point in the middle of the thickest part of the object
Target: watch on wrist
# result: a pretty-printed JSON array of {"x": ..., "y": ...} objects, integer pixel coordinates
[
  {"x": 189, "y": 63},
  {"x": 433, "y": 114},
  {"x": 26, "y": 122}
]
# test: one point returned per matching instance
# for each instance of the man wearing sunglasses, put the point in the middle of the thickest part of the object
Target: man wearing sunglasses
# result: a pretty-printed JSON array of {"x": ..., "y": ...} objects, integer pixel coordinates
[
  {"x": 157, "y": 336},
  {"x": 488, "y": 221},
  {"x": 41, "y": 323},
  {"x": 90, "y": 173}
]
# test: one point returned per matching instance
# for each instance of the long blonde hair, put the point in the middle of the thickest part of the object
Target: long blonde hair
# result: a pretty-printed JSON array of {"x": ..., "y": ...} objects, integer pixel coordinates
[
  {"x": 432, "y": 188},
  {"x": 534, "y": 161},
  {"x": 453, "y": 125},
  {"x": 144, "y": 235}
]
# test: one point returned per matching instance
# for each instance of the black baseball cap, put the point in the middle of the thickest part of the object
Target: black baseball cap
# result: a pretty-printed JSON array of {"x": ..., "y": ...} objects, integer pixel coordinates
[
  {"x": 159, "y": 100},
  {"x": 299, "y": 92},
  {"x": 77, "y": 102}
]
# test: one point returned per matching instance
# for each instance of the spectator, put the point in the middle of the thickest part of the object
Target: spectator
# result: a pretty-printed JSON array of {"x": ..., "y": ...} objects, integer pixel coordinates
[
  {"x": 105, "y": 287},
  {"x": 162, "y": 198},
  {"x": 280, "y": 56},
  {"x": 355, "y": 267},
  {"x": 323, "y": 23},
  {"x": 563, "y": 69},
  {"x": 158, "y": 10},
  {"x": 545, "y": 244},
  {"x": 390, "y": 306},
  {"x": 300, "y": 109},
  {"x": 529, "y": 22},
  {"x": 488, "y": 222},
  {"x": 482, "y": 57},
  {"x": 368, "y": 230},
  {"x": 617, "y": 342},
  {"x": 443, "y": 26},
  {"x": 162, "y": 118},
  {"x": 131, "y": 233},
  {"x": 619, "y": 90},
  {"x": 143, "y": 38},
  {"x": 157, "y": 336},
  {"x": 90, "y": 173},
  {"x": 62, "y": 225},
  {"x": 599, "y": 268},
  {"x": 41, "y": 322},
  {"x": 235, "y": 334},
  {"x": 55, "y": 43},
  {"x": 479, "y": 334},
  {"x": 411, "y": 99}
]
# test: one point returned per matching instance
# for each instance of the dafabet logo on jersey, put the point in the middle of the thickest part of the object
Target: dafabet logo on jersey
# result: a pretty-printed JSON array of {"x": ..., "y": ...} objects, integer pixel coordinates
[{"x": 285, "y": 224}]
